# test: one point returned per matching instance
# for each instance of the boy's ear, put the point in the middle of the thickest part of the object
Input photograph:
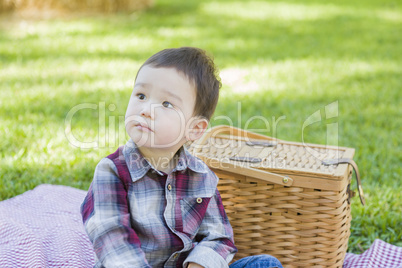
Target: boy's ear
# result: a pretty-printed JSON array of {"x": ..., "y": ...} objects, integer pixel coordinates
[{"x": 196, "y": 128}]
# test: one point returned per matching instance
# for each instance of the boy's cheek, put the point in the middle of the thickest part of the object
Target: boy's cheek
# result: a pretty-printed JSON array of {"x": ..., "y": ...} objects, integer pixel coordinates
[
  {"x": 130, "y": 105},
  {"x": 168, "y": 136},
  {"x": 170, "y": 119},
  {"x": 129, "y": 121}
]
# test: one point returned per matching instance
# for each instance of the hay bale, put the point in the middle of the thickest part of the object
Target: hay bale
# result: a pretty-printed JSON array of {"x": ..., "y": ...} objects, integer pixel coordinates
[{"x": 72, "y": 6}]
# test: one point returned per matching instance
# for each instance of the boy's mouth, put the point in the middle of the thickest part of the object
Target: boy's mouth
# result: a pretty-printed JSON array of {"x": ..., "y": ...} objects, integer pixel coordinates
[{"x": 143, "y": 127}]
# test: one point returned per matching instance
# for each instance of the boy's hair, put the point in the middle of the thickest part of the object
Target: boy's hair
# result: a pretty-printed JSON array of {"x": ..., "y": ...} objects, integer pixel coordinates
[{"x": 199, "y": 69}]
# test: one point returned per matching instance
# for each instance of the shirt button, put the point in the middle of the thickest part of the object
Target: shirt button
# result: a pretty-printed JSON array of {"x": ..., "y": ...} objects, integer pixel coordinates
[
  {"x": 199, "y": 200},
  {"x": 169, "y": 187}
]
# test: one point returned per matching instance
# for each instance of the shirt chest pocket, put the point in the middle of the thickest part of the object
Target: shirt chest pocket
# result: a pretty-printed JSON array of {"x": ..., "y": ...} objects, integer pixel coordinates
[{"x": 193, "y": 212}]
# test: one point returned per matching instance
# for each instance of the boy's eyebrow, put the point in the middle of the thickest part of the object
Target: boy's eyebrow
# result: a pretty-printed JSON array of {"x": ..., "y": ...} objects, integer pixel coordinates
[
  {"x": 140, "y": 85},
  {"x": 171, "y": 94}
]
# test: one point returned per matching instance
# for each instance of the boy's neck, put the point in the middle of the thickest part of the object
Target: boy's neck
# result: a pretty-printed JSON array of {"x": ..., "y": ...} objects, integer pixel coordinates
[{"x": 161, "y": 159}]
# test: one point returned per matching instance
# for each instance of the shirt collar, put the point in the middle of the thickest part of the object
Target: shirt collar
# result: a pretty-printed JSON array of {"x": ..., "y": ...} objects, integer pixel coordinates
[
  {"x": 139, "y": 166},
  {"x": 187, "y": 160}
]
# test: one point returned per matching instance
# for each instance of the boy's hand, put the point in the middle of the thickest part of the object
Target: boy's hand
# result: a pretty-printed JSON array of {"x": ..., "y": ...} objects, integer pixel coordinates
[{"x": 194, "y": 265}]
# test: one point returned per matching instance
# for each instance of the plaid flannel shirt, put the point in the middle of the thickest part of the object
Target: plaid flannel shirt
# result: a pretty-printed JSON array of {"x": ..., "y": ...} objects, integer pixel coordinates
[{"x": 160, "y": 220}]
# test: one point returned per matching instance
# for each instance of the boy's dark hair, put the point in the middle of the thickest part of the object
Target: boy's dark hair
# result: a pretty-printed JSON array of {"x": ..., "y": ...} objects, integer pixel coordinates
[{"x": 199, "y": 69}]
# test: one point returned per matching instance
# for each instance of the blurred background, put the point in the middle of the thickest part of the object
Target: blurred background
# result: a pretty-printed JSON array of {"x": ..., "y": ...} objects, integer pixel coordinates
[{"x": 67, "y": 69}]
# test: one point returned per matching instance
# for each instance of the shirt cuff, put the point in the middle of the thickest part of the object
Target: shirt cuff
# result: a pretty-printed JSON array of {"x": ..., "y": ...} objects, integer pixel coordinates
[{"x": 206, "y": 257}]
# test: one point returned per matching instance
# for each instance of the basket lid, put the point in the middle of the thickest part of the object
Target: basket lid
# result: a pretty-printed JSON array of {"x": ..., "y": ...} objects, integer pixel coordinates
[{"x": 247, "y": 150}]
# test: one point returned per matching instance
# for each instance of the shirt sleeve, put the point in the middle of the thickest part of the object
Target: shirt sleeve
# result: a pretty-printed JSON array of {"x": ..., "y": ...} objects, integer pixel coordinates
[
  {"x": 106, "y": 217},
  {"x": 216, "y": 248}
]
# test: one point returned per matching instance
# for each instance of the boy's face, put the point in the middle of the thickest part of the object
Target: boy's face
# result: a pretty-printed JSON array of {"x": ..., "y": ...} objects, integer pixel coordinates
[{"x": 160, "y": 108}]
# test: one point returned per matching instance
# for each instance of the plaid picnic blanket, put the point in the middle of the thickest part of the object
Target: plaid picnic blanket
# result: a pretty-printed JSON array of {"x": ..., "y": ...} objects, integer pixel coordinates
[
  {"x": 380, "y": 254},
  {"x": 43, "y": 228}
]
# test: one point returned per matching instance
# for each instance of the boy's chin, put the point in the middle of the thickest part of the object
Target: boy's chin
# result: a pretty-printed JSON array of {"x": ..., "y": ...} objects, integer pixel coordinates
[
  {"x": 149, "y": 141},
  {"x": 150, "y": 145}
]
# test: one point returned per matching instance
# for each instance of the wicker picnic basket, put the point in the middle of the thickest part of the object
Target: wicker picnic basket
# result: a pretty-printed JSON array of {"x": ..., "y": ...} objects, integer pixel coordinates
[{"x": 286, "y": 199}]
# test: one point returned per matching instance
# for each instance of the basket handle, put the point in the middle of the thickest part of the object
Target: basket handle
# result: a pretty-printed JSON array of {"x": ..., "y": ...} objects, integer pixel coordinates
[
  {"x": 223, "y": 129},
  {"x": 261, "y": 143},
  {"x": 349, "y": 161}
]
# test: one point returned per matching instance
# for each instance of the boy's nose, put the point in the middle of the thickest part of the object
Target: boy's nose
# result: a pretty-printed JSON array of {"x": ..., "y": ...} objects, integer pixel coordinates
[{"x": 146, "y": 111}]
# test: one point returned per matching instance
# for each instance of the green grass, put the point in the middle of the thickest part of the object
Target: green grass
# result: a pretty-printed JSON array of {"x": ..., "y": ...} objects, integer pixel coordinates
[{"x": 278, "y": 59}]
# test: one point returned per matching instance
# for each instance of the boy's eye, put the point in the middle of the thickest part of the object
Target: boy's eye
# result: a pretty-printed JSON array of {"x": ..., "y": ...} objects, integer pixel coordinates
[
  {"x": 141, "y": 96},
  {"x": 167, "y": 104}
]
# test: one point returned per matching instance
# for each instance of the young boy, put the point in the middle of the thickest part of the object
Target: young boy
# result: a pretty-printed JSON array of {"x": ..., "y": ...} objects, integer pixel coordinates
[{"x": 151, "y": 203}]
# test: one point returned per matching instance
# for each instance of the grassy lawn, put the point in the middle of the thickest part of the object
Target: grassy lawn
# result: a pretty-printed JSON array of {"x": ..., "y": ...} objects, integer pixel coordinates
[{"x": 279, "y": 60}]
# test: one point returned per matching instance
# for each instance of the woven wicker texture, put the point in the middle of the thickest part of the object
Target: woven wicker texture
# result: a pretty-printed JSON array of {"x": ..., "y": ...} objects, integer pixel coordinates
[
  {"x": 304, "y": 224},
  {"x": 291, "y": 156}
]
